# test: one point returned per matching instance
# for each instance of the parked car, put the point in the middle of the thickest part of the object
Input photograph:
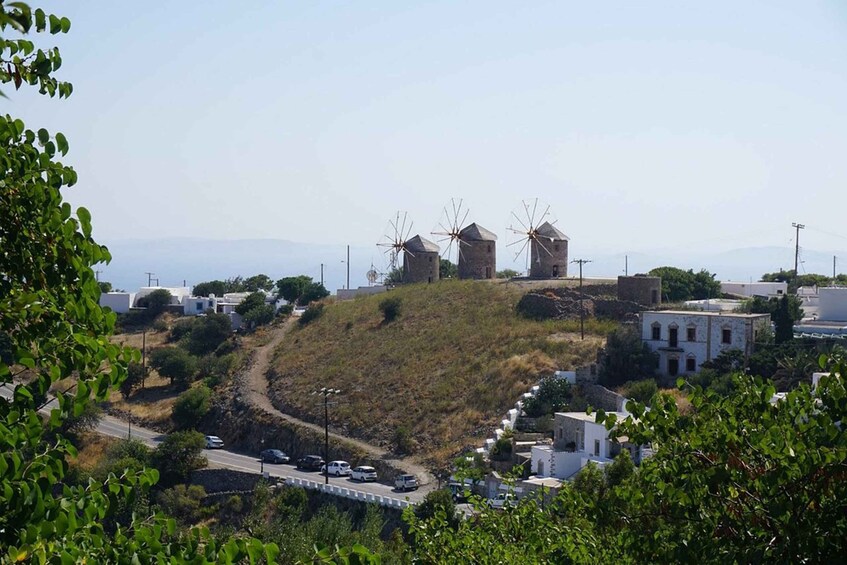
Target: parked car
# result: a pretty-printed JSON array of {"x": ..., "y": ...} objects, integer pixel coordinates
[
  {"x": 310, "y": 463},
  {"x": 502, "y": 500},
  {"x": 274, "y": 456},
  {"x": 214, "y": 442},
  {"x": 337, "y": 468},
  {"x": 363, "y": 473},
  {"x": 405, "y": 482},
  {"x": 459, "y": 492}
]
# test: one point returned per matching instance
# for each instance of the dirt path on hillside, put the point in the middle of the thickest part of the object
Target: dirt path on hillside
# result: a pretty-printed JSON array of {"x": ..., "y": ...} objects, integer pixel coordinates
[{"x": 254, "y": 384}]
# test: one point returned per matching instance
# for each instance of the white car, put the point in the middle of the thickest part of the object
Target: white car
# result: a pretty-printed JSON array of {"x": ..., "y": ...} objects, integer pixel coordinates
[
  {"x": 406, "y": 482},
  {"x": 338, "y": 468},
  {"x": 502, "y": 500},
  {"x": 364, "y": 473},
  {"x": 214, "y": 442}
]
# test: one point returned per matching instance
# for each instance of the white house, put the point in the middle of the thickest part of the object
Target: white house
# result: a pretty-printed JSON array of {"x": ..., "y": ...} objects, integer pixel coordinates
[
  {"x": 684, "y": 339},
  {"x": 195, "y": 305},
  {"x": 177, "y": 293},
  {"x": 578, "y": 439},
  {"x": 751, "y": 289},
  {"x": 120, "y": 302},
  {"x": 832, "y": 303}
]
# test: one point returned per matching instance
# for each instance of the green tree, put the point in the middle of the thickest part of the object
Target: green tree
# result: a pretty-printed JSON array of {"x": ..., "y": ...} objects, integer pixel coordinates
[
  {"x": 679, "y": 285},
  {"x": 105, "y": 287},
  {"x": 178, "y": 455},
  {"x": 218, "y": 288},
  {"x": 553, "y": 395},
  {"x": 49, "y": 310},
  {"x": 783, "y": 321},
  {"x": 182, "y": 502},
  {"x": 134, "y": 378},
  {"x": 394, "y": 276},
  {"x": 312, "y": 293},
  {"x": 448, "y": 270},
  {"x": 626, "y": 358},
  {"x": 252, "y": 300},
  {"x": 175, "y": 364},
  {"x": 258, "y": 316},
  {"x": 258, "y": 282},
  {"x": 438, "y": 502},
  {"x": 208, "y": 332},
  {"x": 156, "y": 302},
  {"x": 191, "y": 406},
  {"x": 507, "y": 274},
  {"x": 292, "y": 288}
]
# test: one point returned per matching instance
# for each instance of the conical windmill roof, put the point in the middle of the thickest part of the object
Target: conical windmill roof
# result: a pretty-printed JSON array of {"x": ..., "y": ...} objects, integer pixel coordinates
[
  {"x": 475, "y": 232},
  {"x": 550, "y": 232},
  {"x": 420, "y": 245}
]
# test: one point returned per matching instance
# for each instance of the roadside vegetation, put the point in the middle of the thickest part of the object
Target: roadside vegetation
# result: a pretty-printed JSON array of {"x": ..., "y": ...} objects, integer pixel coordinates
[{"x": 425, "y": 369}]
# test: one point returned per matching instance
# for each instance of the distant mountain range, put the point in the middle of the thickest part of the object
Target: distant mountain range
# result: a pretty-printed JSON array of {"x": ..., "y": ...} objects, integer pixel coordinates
[{"x": 192, "y": 260}]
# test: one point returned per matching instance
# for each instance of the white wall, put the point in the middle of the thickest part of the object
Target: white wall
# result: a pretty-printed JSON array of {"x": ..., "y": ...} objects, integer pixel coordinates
[
  {"x": 832, "y": 303},
  {"x": 119, "y": 302},
  {"x": 195, "y": 305},
  {"x": 751, "y": 289}
]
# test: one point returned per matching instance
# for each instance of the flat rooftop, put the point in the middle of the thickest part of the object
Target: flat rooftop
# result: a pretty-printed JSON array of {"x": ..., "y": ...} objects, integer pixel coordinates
[
  {"x": 590, "y": 417},
  {"x": 706, "y": 313}
]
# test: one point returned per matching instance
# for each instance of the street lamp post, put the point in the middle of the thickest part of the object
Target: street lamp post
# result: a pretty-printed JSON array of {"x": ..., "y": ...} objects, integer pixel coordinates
[
  {"x": 262, "y": 458},
  {"x": 326, "y": 393}
]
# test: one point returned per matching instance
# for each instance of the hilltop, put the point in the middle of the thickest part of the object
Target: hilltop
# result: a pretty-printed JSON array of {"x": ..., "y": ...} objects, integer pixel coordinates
[{"x": 437, "y": 379}]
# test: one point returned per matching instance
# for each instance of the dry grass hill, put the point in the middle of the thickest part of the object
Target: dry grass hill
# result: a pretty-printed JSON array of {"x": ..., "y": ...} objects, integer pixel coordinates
[{"x": 435, "y": 380}]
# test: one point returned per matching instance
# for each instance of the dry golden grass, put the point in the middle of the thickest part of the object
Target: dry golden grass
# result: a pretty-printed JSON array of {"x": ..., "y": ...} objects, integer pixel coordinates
[
  {"x": 447, "y": 370},
  {"x": 91, "y": 451},
  {"x": 682, "y": 402}
]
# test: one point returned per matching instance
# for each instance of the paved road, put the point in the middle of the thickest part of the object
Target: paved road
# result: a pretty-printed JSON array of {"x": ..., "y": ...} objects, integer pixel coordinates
[{"x": 222, "y": 458}]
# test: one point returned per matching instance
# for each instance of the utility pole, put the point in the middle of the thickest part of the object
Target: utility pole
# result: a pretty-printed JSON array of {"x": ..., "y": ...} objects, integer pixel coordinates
[
  {"x": 97, "y": 275},
  {"x": 143, "y": 356},
  {"x": 348, "y": 267},
  {"x": 833, "y": 269},
  {"x": 149, "y": 277},
  {"x": 581, "y": 262},
  {"x": 798, "y": 227},
  {"x": 322, "y": 274},
  {"x": 326, "y": 393},
  {"x": 626, "y": 265}
]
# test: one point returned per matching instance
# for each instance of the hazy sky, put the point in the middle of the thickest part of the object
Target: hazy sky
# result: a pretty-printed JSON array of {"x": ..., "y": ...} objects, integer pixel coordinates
[{"x": 646, "y": 125}]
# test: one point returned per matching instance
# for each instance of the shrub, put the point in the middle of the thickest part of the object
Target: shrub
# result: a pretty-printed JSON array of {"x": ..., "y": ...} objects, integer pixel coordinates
[
  {"x": 258, "y": 316},
  {"x": 180, "y": 329},
  {"x": 191, "y": 406},
  {"x": 285, "y": 310},
  {"x": 553, "y": 395},
  {"x": 175, "y": 364},
  {"x": 208, "y": 333},
  {"x": 156, "y": 302},
  {"x": 502, "y": 449},
  {"x": 253, "y": 300},
  {"x": 403, "y": 440},
  {"x": 390, "y": 308},
  {"x": 134, "y": 378},
  {"x": 640, "y": 391},
  {"x": 178, "y": 455},
  {"x": 313, "y": 312},
  {"x": 626, "y": 358},
  {"x": 182, "y": 502}
]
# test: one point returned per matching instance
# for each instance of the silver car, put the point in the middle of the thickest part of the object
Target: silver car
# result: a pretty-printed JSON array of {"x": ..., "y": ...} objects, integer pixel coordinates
[{"x": 364, "y": 473}]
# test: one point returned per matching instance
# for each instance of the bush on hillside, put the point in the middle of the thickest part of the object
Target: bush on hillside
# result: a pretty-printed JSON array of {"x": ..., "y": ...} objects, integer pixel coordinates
[
  {"x": 390, "y": 308},
  {"x": 191, "y": 406},
  {"x": 178, "y": 455},
  {"x": 175, "y": 364},
  {"x": 640, "y": 391},
  {"x": 208, "y": 332},
  {"x": 313, "y": 312},
  {"x": 258, "y": 316},
  {"x": 553, "y": 395}
]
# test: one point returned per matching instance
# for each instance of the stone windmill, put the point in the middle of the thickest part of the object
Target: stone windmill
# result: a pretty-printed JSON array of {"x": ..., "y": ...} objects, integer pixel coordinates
[
  {"x": 475, "y": 246},
  {"x": 544, "y": 247}
]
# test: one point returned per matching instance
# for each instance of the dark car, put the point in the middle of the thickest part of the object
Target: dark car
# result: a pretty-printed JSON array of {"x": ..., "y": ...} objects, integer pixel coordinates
[
  {"x": 310, "y": 463},
  {"x": 274, "y": 456}
]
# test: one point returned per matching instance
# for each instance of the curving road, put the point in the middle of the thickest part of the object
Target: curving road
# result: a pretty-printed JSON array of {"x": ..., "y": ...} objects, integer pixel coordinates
[{"x": 222, "y": 458}]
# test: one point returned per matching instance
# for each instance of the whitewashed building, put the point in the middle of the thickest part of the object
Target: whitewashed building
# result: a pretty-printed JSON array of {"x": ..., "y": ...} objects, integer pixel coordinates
[
  {"x": 684, "y": 340},
  {"x": 751, "y": 289},
  {"x": 120, "y": 302},
  {"x": 832, "y": 303},
  {"x": 578, "y": 439}
]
